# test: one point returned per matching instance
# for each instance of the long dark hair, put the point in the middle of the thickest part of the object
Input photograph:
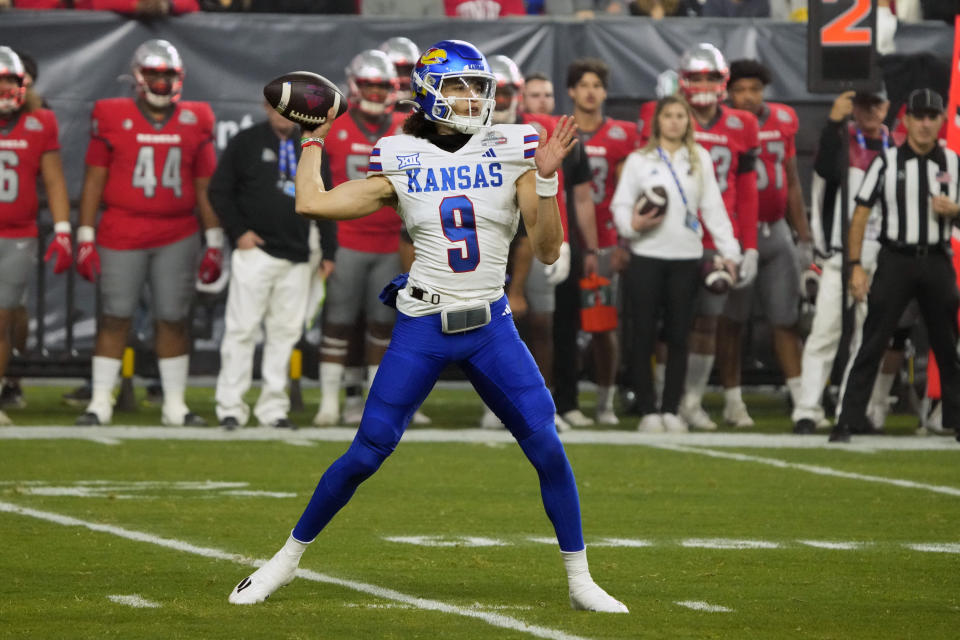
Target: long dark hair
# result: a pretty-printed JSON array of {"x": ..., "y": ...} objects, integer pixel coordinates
[{"x": 418, "y": 126}]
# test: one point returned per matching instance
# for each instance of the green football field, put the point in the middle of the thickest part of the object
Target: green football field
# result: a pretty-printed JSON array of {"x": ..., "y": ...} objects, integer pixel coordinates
[{"x": 142, "y": 531}]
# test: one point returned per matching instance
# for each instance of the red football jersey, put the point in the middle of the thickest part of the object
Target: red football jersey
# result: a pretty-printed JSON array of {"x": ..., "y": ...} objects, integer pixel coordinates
[
  {"x": 348, "y": 147},
  {"x": 545, "y": 124},
  {"x": 777, "y": 135},
  {"x": 23, "y": 140},
  {"x": 730, "y": 137},
  {"x": 149, "y": 196},
  {"x": 606, "y": 148}
]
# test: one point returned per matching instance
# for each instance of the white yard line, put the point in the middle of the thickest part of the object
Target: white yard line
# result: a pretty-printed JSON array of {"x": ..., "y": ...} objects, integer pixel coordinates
[
  {"x": 700, "y": 605},
  {"x": 493, "y": 619},
  {"x": 135, "y": 601},
  {"x": 810, "y": 468}
]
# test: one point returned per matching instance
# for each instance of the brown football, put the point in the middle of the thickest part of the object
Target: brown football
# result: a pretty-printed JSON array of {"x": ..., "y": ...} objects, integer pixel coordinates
[
  {"x": 654, "y": 199},
  {"x": 304, "y": 98},
  {"x": 716, "y": 279}
]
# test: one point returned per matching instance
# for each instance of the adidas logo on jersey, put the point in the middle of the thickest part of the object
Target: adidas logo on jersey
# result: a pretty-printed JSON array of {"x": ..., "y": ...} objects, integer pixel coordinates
[
  {"x": 489, "y": 154},
  {"x": 454, "y": 178}
]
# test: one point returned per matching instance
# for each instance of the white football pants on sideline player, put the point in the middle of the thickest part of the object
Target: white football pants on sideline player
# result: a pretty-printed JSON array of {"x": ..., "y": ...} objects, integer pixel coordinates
[{"x": 272, "y": 291}]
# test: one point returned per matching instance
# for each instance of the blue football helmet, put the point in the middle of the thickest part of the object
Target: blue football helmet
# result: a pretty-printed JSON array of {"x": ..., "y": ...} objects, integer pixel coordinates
[{"x": 459, "y": 69}]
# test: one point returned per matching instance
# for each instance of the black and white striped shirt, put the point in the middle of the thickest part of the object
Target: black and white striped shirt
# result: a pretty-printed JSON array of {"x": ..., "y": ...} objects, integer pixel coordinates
[{"x": 903, "y": 184}]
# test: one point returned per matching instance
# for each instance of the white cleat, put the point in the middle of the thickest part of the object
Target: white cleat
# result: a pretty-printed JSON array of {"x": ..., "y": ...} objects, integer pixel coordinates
[
  {"x": 877, "y": 413},
  {"x": 326, "y": 418},
  {"x": 591, "y": 597},
  {"x": 824, "y": 423},
  {"x": 278, "y": 572},
  {"x": 672, "y": 423},
  {"x": 353, "y": 410},
  {"x": 490, "y": 420},
  {"x": 608, "y": 417},
  {"x": 560, "y": 423},
  {"x": 420, "y": 418},
  {"x": 651, "y": 423},
  {"x": 697, "y": 418},
  {"x": 576, "y": 419},
  {"x": 5, "y": 420},
  {"x": 736, "y": 415}
]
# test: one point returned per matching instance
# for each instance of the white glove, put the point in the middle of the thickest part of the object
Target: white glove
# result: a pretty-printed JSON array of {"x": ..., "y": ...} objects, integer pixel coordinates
[
  {"x": 748, "y": 268},
  {"x": 559, "y": 270},
  {"x": 804, "y": 253}
]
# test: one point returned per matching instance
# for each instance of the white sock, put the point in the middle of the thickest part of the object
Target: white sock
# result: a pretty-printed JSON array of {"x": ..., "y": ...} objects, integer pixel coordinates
[
  {"x": 330, "y": 375},
  {"x": 104, "y": 378},
  {"x": 294, "y": 548},
  {"x": 699, "y": 366},
  {"x": 173, "y": 379},
  {"x": 881, "y": 388},
  {"x": 604, "y": 399},
  {"x": 794, "y": 385},
  {"x": 371, "y": 374},
  {"x": 575, "y": 563},
  {"x": 353, "y": 377},
  {"x": 659, "y": 380},
  {"x": 732, "y": 396}
]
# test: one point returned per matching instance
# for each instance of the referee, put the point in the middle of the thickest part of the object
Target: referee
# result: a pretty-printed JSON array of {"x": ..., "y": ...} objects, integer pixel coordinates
[{"x": 917, "y": 187}]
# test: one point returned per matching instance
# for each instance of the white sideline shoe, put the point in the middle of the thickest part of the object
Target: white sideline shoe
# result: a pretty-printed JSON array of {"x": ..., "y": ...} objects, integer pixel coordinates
[
  {"x": 560, "y": 423},
  {"x": 575, "y": 418},
  {"x": 5, "y": 420},
  {"x": 824, "y": 423},
  {"x": 279, "y": 571},
  {"x": 736, "y": 415},
  {"x": 877, "y": 413},
  {"x": 353, "y": 410},
  {"x": 420, "y": 418},
  {"x": 490, "y": 420},
  {"x": 590, "y": 597},
  {"x": 672, "y": 423},
  {"x": 608, "y": 417},
  {"x": 697, "y": 418},
  {"x": 326, "y": 418},
  {"x": 651, "y": 423}
]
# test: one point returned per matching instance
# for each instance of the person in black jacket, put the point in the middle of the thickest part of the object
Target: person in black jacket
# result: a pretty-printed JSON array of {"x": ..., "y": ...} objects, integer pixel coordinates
[{"x": 253, "y": 192}]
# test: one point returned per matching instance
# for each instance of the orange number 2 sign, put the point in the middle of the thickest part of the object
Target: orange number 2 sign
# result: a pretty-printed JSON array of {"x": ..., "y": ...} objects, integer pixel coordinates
[{"x": 842, "y": 30}]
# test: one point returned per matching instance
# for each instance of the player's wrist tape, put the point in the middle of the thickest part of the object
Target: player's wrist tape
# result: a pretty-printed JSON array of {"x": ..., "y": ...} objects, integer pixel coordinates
[
  {"x": 548, "y": 187},
  {"x": 86, "y": 234},
  {"x": 214, "y": 237},
  {"x": 62, "y": 227},
  {"x": 311, "y": 142}
]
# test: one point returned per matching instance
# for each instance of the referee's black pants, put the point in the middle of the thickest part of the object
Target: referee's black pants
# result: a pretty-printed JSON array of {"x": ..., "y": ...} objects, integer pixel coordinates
[
  {"x": 900, "y": 278},
  {"x": 660, "y": 288}
]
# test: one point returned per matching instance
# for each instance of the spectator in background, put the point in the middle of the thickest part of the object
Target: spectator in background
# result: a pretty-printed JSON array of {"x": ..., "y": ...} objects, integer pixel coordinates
[
  {"x": 150, "y": 160},
  {"x": 589, "y": 9},
  {"x": 145, "y": 8},
  {"x": 253, "y": 192},
  {"x": 728, "y": 8},
  {"x": 656, "y": 9},
  {"x": 403, "y": 8},
  {"x": 666, "y": 248},
  {"x": 483, "y": 9},
  {"x": 31, "y": 149}
]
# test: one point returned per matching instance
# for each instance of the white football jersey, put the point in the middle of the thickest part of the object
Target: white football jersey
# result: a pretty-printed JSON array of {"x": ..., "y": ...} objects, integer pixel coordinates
[{"x": 460, "y": 208}]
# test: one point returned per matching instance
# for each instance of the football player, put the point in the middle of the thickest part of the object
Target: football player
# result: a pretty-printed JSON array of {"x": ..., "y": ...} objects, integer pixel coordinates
[
  {"x": 149, "y": 161},
  {"x": 608, "y": 142},
  {"x": 461, "y": 205},
  {"x": 403, "y": 53},
  {"x": 730, "y": 135},
  {"x": 29, "y": 147},
  {"x": 780, "y": 201},
  {"x": 367, "y": 254}
]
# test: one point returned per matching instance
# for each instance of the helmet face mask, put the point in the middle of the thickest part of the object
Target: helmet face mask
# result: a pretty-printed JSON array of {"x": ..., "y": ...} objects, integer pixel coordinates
[
  {"x": 453, "y": 85},
  {"x": 13, "y": 89},
  {"x": 158, "y": 73},
  {"x": 509, "y": 88},
  {"x": 403, "y": 52},
  {"x": 372, "y": 79},
  {"x": 703, "y": 75}
]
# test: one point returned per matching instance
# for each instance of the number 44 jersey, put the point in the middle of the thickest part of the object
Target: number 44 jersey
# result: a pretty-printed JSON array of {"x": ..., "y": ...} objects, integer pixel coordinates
[
  {"x": 460, "y": 208},
  {"x": 149, "y": 195}
]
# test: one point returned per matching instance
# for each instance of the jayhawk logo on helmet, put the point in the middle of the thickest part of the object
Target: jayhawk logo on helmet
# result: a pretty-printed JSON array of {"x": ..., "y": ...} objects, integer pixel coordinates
[{"x": 462, "y": 70}]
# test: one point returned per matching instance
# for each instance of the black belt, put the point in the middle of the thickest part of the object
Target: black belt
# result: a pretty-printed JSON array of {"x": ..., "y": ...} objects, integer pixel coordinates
[
  {"x": 914, "y": 250},
  {"x": 425, "y": 296}
]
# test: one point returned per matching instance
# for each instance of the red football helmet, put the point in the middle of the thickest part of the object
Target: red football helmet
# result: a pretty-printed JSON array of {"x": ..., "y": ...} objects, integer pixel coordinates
[
  {"x": 158, "y": 72},
  {"x": 11, "y": 67},
  {"x": 509, "y": 86},
  {"x": 372, "y": 68},
  {"x": 703, "y": 75},
  {"x": 404, "y": 53}
]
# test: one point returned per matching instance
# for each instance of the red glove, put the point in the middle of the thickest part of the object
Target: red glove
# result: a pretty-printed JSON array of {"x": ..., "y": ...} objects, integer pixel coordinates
[
  {"x": 88, "y": 260},
  {"x": 61, "y": 247},
  {"x": 211, "y": 266}
]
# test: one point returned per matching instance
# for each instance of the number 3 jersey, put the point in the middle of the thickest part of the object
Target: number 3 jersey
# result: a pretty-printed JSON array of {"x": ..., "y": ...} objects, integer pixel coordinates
[
  {"x": 23, "y": 141},
  {"x": 149, "y": 196},
  {"x": 460, "y": 208}
]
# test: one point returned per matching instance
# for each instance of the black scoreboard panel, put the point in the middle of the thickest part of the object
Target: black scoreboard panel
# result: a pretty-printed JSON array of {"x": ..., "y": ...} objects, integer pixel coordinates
[{"x": 841, "y": 51}]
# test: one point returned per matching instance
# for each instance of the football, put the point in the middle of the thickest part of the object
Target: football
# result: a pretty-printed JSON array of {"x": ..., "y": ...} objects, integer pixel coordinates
[
  {"x": 304, "y": 98},
  {"x": 652, "y": 200},
  {"x": 715, "y": 278}
]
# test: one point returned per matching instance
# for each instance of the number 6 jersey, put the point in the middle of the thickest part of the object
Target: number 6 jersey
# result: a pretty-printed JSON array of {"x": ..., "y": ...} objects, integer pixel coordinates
[
  {"x": 149, "y": 196},
  {"x": 460, "y": 209}
]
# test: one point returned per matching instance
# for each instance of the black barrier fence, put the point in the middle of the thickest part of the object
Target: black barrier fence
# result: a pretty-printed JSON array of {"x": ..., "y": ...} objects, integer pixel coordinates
[{"x": 85, "y": 56}]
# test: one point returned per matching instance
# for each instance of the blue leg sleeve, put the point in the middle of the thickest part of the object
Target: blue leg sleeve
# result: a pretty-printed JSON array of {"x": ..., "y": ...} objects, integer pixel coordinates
[{"x": 557, "y": 486}]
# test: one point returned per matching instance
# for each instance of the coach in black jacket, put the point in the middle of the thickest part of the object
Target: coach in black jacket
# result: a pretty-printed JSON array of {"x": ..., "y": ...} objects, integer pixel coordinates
[{"x": 272, "y": 266}]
